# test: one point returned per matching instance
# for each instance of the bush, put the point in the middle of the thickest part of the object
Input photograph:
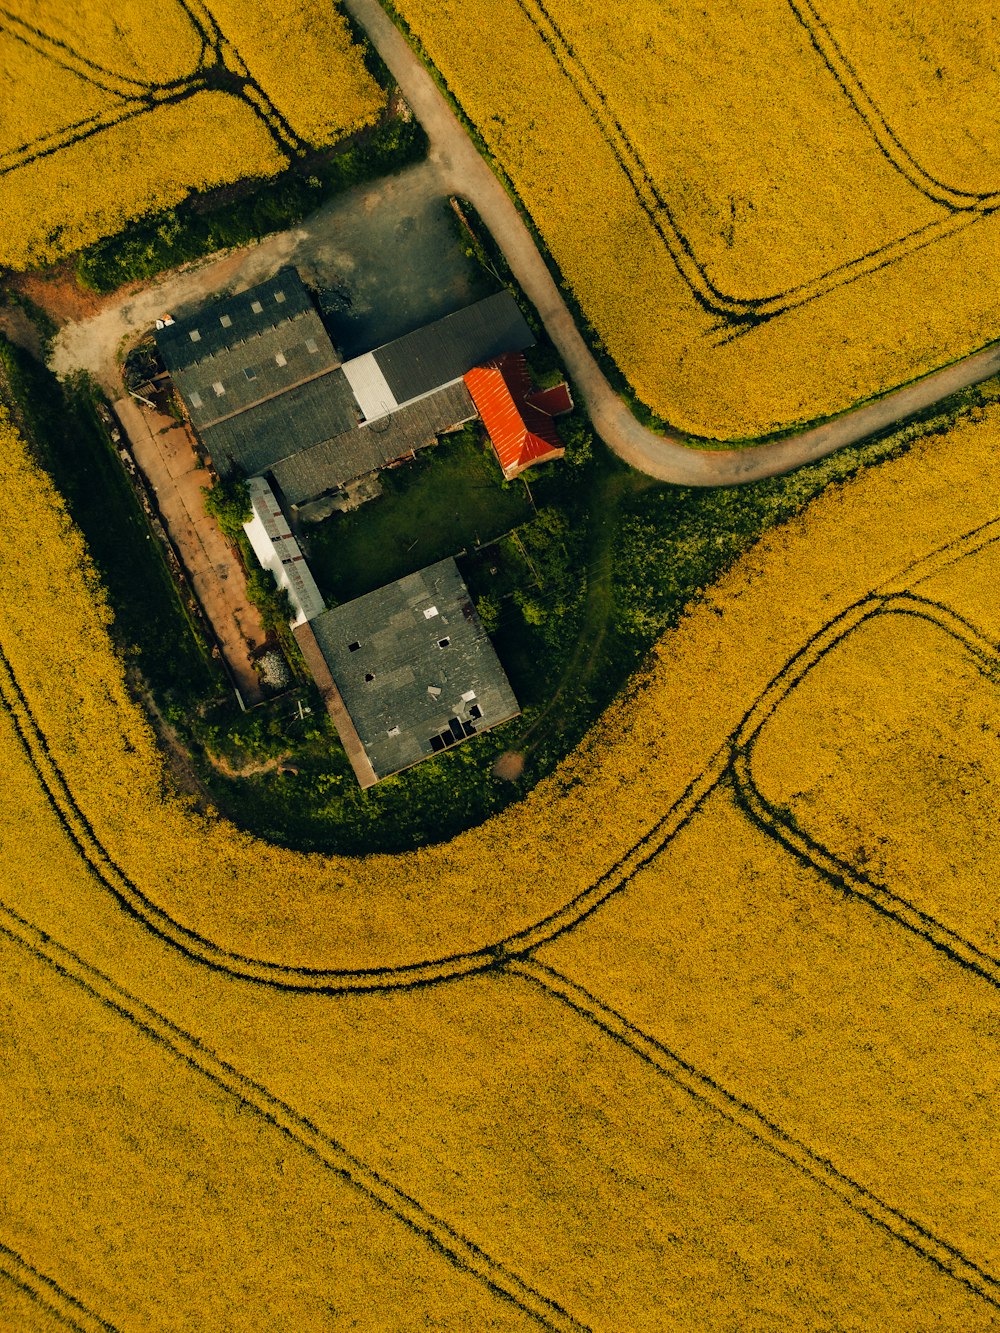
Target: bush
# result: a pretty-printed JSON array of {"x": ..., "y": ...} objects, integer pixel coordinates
[
  {"x": 272, "y": 602},
  {"x": 228, "y": 502},
  {"x": 202, "y": 224}
]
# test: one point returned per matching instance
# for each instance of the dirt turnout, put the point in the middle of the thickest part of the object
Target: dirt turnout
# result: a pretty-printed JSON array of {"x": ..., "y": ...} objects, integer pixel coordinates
[{"x": 164, "y": 451}]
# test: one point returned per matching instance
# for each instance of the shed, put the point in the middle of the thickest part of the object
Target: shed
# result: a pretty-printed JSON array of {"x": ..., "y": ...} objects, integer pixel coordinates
[{"x": 518, "y": 417}]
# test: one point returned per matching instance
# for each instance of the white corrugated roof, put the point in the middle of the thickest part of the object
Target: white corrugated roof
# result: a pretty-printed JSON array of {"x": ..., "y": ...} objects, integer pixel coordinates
[
  {"x": 278, "y": 551},
  {"x": 369, "y": 385}
]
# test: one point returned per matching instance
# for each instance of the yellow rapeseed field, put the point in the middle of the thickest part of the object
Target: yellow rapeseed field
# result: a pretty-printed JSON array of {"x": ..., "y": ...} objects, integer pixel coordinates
[
  {"x": 713, "y": 1040},
  {"x": 767, "y": 211},
  {"x": 108, "y": 112}
]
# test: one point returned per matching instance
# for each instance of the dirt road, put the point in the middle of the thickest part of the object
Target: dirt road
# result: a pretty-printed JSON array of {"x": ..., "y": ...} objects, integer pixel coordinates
[
  {"x": 663, "y": 457},
  {"x": 456, "y": 166},
  {"x": 388, "y": 243},
  {"x": 164, "y": 451}
]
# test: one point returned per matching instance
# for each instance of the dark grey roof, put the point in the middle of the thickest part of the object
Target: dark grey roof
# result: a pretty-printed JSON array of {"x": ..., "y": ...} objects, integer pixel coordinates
[
  {"x": 274, "y": 360},
  {"x": 344, "y": 458},
  {"x": 445, "y": 350},
  {"x": 255, "y": 440},
  {"x": 420, "y": 693},
  {"x": 281, "y": 298}
]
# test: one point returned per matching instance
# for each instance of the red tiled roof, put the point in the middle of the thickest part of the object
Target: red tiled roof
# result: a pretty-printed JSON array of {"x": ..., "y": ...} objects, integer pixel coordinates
[{"x": 519, "y": 426}]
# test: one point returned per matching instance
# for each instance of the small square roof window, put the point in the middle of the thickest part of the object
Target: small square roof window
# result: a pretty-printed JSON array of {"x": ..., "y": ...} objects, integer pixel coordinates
[
  {"x": 430, "y": 612},
  {"x": 280, "y": 359},
  {"x": 443, "y": 643},
  {"x": 226, "y": 321},
  {"x": 219, "y": 388},
  {"x": 256, "y": 307},
  {"x": 195, "y": 399},
  {"x": 312, "y": 345},
  {"x": 195, "y": 335},
  {"x": 279, "y": 296},
  {"x": 250, "y": 373}
]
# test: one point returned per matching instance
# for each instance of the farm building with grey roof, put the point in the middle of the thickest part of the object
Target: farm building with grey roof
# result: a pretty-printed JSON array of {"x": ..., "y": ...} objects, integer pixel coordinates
[
  {"x": 267, "y": 393},
  {"x": 413, "y": 668}
]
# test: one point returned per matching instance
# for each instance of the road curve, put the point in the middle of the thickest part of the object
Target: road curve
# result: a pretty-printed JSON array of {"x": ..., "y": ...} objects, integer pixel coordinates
[{"x": 665, "y": 457}]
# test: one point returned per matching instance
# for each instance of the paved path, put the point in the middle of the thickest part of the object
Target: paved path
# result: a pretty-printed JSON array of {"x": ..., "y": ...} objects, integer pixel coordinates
[
  {"x": 164, "y": 451},
  {"x": 666, "y": 458}
]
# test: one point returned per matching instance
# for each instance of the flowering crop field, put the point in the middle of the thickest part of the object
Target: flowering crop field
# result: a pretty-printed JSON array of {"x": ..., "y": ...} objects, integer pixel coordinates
[
  {"x": 767, "y": 211},
  {"x": 111, "y": 112},
  {"x": 701, "y": 1035}
]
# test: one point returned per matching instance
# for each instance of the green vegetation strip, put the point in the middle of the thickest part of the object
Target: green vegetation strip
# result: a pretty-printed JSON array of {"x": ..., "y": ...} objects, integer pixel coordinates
[
  {"x": 153, "y": 626},
  {"x": 225, "y": 219}
]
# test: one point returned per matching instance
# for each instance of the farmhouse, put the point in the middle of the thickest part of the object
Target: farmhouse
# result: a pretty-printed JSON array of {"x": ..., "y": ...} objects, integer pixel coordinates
[
  {"x": 407, "y": 671},
  {"x": 259, "y": 375},
  {"x": 268, "y": 394}
]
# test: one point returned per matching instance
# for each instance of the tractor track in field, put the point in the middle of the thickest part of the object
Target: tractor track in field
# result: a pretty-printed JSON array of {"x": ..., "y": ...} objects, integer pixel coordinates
[
  {"x": 736, "y": 314},
  {"x": 91, "y": 344},
  {"x": 731, "y": 762},
  {"x": 513, "y": 957},
  {"x": 219, "y": 68},
  {"x": 763, "y": 1131},
  {"x": 46, "y": 1293},
  {"x": 668, "y": 457},
  {"x": 889, "y": 143}
]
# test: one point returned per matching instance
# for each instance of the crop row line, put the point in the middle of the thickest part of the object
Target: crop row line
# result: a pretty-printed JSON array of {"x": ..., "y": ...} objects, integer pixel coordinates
[
  {"x": 706, "y": 1091},
  {"x": 493, "y": 955},
  {"x": 44, "y": 1291},
  {"x": 254, "y": 1098},
  {"x": 220, "y": 68},
  {"x": 738, "y": 315},
  {"x": 782, "y": 828},
  {"x": 889, "y": 143}
]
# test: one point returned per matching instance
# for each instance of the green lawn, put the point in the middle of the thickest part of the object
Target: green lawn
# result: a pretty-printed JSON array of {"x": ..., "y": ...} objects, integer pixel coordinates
[{"x": 451, "y": 498}]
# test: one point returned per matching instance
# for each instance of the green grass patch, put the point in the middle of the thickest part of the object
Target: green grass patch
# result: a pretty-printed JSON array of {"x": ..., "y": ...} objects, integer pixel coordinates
[{"x": 450, "y": 498}]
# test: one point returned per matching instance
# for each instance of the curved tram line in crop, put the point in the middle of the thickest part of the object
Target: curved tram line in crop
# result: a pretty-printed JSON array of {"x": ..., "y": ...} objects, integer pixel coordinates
[
  {"x": 220, "y": 68},
  {"x": 513, "y": 957},
  {"x": 731, "y": 763},
  {"x": 736, "y": 315},
  {"x": 257, "y": 1100},
  {"x": 850, "y": 879},
  {"x": 889, "y": 142}
]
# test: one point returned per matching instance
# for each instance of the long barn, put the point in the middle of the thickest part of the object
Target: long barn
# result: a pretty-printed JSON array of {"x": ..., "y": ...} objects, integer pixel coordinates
[{"x": 268, "y": 395}]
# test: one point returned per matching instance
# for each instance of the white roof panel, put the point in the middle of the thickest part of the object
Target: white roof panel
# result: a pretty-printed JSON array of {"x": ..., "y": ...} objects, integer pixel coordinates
[{"x": 369, "y": 386}]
